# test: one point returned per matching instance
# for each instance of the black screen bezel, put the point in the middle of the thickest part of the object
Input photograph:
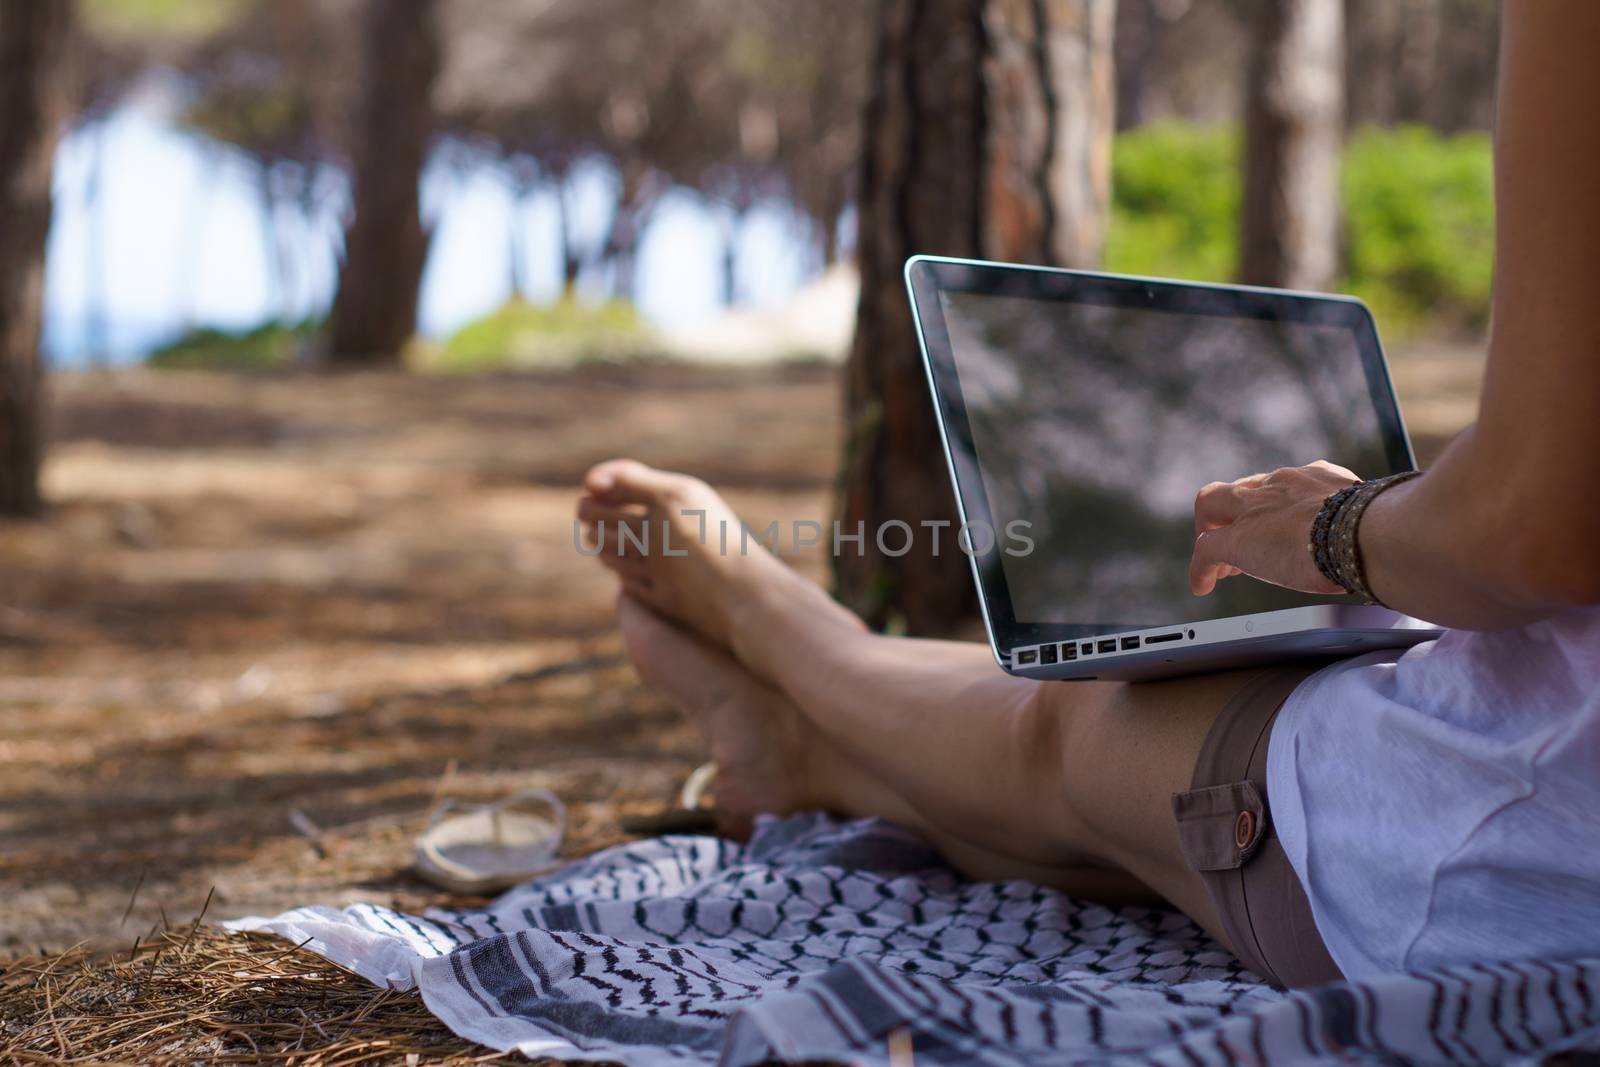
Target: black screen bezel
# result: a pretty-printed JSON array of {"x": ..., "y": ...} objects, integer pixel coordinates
[{"x": 928, "y": 276}]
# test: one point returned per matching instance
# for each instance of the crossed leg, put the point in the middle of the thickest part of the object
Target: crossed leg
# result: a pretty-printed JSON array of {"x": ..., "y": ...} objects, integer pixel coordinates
[{"x": 1063, "y": 784}]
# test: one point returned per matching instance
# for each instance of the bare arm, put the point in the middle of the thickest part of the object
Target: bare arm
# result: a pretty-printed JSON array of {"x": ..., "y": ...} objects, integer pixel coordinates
[{"x": 1505, "y": 527}]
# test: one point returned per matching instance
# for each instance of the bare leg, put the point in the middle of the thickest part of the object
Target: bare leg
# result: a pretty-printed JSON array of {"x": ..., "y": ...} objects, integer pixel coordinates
[
  {"x": 1050, "y": 775},
  {"x": 771, "y": 758}
]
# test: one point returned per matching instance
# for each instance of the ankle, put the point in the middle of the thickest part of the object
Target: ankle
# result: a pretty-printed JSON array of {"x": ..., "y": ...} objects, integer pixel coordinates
[
  {"x": 775, "y": 622},
  {"x": 812, "y": 765}
]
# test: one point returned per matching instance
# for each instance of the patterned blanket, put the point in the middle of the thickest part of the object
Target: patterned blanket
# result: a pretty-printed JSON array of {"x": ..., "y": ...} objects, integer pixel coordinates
[{"x": 818, "y": 940}]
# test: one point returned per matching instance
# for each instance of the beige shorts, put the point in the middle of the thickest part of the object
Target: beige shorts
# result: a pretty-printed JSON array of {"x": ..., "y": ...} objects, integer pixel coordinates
[{"x": 1226, "y": 833}]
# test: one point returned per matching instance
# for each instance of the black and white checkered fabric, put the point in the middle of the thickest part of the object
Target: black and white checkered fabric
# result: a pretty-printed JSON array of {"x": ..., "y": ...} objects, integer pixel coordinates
[{"x": 819, "y": 939}]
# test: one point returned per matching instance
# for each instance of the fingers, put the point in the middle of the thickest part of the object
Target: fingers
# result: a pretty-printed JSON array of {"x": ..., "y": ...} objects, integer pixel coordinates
[
  {"x": 1221, "y": 503},
  {"x": 1217, "y": 504},
  {"x": 1213, "y": 560},
  {"x": 1259, "y": 526},
  {"x": 1334, "y": 468}
]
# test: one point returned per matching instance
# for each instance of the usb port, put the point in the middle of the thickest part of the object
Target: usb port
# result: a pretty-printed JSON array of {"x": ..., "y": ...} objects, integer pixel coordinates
[
  {"x": 1069, "y": 652},
  {"x": 1156, "y": 639},
  {"x": 1108, "y": 645},
  {"x": 1088, "y": 648},
  {"x": 1025, "y": 658},
  {"x": 1129, "y": 642},
  {"x": 1047, "y": 654}
]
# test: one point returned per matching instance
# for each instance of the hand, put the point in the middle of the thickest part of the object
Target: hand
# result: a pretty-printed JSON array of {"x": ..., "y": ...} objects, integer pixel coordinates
[{"x": 1261, "y": 526}]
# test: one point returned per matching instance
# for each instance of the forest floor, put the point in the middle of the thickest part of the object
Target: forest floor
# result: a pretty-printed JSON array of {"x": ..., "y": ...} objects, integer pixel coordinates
[
  {"x": 261, "y": 595},
  {"x": 346, "y": 597}
]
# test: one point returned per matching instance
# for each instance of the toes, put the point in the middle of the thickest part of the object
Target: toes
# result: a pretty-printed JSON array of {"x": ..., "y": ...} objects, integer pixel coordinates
[
  {"x": 627, "y": 481},
  {"x": 593, "y": 510},
  {"x": 605, "y": 527},
  {"x": 632, "y": 569}
]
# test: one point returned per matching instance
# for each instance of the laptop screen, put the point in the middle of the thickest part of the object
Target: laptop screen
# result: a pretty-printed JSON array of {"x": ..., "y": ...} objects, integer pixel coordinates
[{"x": 1095, "y": 424}]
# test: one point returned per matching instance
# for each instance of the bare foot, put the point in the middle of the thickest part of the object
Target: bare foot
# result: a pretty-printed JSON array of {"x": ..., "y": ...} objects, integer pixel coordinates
[
  {"x": 690, "y": 560},
  {"x": 759, "y": 741}
]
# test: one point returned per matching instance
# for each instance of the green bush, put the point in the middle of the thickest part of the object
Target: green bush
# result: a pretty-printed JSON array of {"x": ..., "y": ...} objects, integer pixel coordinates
[
  {"x": 1419, "y": 224},
  {"x": 265, "y": 347},
  {"x": 1418, "y": 216},
  {"x": 1175, "y": 202},
  {"x": 520, "y": 334}
]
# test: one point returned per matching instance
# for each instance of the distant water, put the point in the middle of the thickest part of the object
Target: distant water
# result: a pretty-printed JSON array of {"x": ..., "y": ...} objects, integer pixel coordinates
[
  {"x": 177, "y": 237},
  {"x": 70, "y": 342}
]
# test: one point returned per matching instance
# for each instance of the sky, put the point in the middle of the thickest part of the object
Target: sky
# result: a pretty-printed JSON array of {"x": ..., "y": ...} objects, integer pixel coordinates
[{"x": 175, "y": 238}]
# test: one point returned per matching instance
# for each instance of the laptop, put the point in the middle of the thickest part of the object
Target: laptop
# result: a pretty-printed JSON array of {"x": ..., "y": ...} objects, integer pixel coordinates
[{"x": 1080, "y": 414}]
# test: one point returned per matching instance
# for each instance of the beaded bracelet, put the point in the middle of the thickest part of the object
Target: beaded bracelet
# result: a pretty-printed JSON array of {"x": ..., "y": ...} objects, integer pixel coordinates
[{"x": 1333, "y": 545}]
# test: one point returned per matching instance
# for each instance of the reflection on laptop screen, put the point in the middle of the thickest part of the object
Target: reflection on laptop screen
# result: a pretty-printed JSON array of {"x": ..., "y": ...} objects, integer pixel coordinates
[{"x": 1099, "y": 424}]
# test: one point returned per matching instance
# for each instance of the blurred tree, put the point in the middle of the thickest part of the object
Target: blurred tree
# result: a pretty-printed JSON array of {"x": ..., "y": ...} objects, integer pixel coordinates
[
  {"x": 120, "y": 44},
  {"x": 375, "y": 310},
  {"x": 1468, "y": 64},
  {"x": 1180, "y": 60},
  {"x": 742, "y": 101},
  {"x": 1145, "y": 59},
  {"x": 787, "y": 112},
  {"x": 987, "y": 133},
  {"x": 1293, "y": 131},
  {"x": 1421, "y": 61},
  {"x": 1419, "y": 55},
  {"x": 1138, "y": 35},
  {"x": 815, "y": 64},
  {"x": 1373, "y": 34},
  {"x": 270, "y": 85},
  {"x": 604, "y": 80},
  {"x": 34, "y": 39}
]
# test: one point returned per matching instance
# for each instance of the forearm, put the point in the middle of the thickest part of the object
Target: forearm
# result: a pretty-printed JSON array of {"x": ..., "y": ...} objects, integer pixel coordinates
[
  {"x": 1481, "y": 542},
  {"x": 1506, "y": 526}
]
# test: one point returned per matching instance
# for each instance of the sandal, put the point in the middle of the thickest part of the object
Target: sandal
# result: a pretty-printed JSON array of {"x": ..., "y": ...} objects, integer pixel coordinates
[
  {"x": 485, "y": 848},
  {"x": 688, "y": 818}
]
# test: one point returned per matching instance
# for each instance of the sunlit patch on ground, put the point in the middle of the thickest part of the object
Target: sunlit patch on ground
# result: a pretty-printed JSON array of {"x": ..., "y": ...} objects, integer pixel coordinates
[{"x": 263, "y": 595}]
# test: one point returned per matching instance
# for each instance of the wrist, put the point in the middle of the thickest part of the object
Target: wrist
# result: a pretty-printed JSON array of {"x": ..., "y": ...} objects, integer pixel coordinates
[{"x": 1334, "y": 542}]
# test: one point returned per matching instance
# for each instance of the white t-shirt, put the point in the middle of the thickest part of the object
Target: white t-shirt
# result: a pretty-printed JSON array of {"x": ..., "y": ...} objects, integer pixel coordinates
[{"x": 1444, "y": 807}]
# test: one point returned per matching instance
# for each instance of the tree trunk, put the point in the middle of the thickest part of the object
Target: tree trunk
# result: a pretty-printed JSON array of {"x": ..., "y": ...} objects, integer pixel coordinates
[
  {"x": 571, "y": 261},
  {"x": 732, "y": 224},
  {"x": 1293, "y": 130},
  {"x": 987, "y": 133},
  {"x": 1138, "y": 36},
  {"x": 517, "y": 241},
  {"x": 33, "y": 45},
  {"x": 1419, "y": 60},
  {"x": 828, "y": 238},
  {"x": 1372, "y": 61},
  {"x": 1466, "y": 68},
  {"x": 375, "y": 311},
  {"x": 96, "y": 327},
  {"x": 635, "y": 202}
]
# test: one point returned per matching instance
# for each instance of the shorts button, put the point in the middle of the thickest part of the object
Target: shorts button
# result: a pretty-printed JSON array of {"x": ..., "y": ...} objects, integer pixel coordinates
[{"x": 1244, "y": 829}]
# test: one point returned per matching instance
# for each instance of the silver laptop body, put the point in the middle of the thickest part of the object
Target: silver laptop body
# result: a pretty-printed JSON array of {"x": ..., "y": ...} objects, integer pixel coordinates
[{"x": 1081, "y": 412}]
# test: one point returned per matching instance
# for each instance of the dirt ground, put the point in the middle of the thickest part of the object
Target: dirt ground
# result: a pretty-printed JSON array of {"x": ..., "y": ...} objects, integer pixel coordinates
[
  {"x": 345, "y": 597},
  {"x": 262, "y": 595}
]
